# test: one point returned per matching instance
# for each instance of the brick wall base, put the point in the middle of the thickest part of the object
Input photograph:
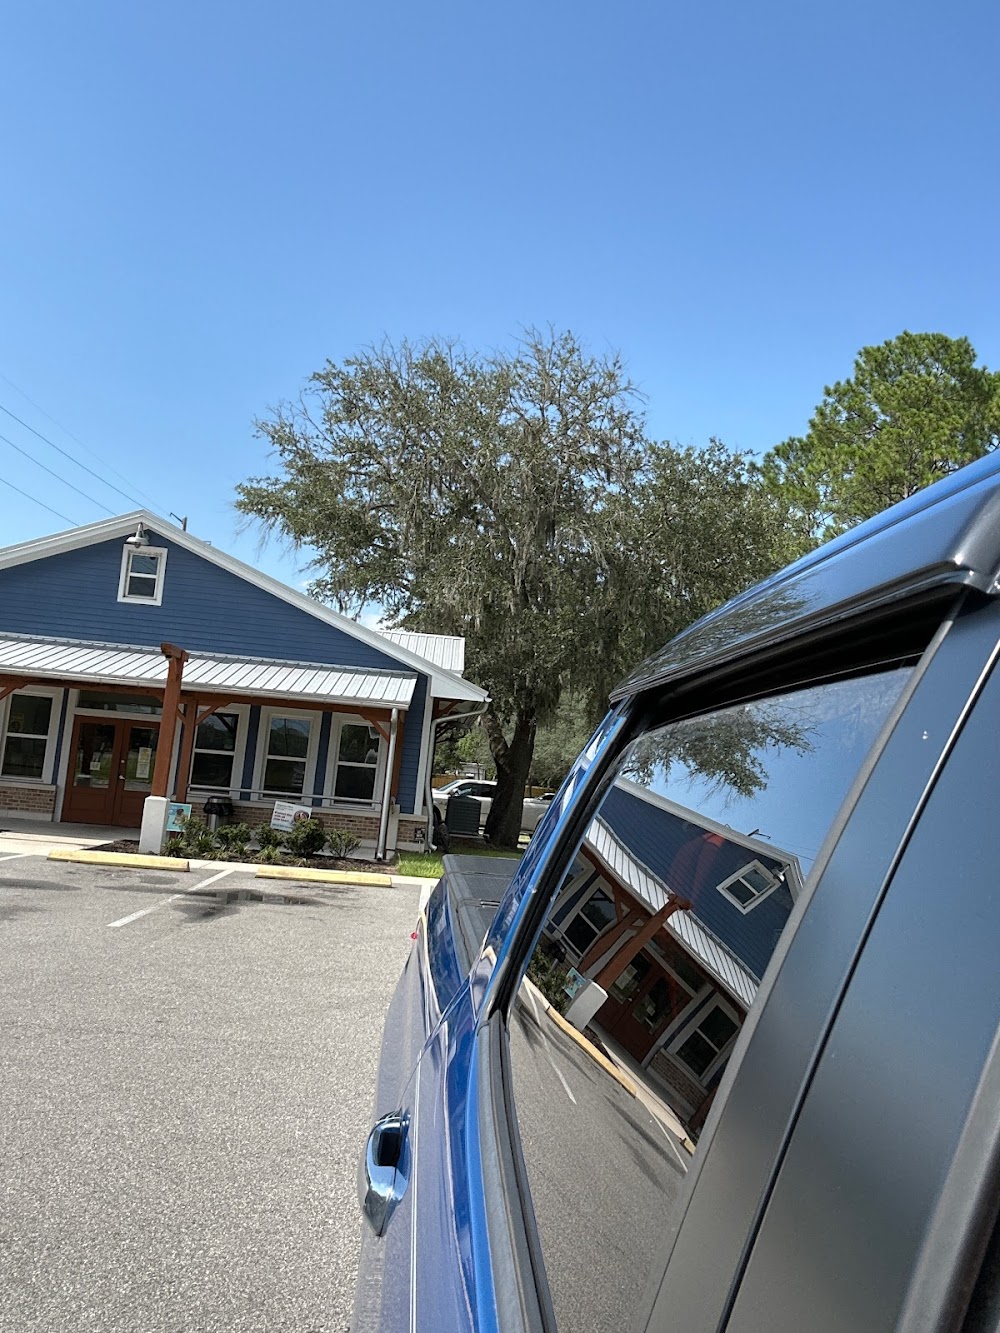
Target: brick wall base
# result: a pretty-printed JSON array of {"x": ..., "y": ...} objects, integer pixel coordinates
[
  {"x": 34, "y": 800},
  {"x": 680, "y": 1082}
]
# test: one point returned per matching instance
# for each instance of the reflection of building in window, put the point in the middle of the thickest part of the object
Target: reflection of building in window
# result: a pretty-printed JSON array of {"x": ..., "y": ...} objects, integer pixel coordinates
[
  {"x": 675, "y": 917},
  {"x": 215, "y": 752},
  {"x": 24, "y": 749}
]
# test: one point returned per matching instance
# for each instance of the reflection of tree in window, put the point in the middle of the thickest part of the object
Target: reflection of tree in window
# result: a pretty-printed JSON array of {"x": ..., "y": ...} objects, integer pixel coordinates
[
  {"x": 729, "y": 749},
  {"x": 27, "y": 736},
  {"x": 357, "y": 761},
  {"x": 287, "y": 747},
  {"x": 215, "y": 751}
]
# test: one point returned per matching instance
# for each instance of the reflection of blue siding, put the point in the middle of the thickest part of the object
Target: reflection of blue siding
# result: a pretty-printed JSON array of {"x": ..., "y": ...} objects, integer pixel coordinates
[
  {"x": 678, "y": 852},
  {"x": 205, "y": 608}
]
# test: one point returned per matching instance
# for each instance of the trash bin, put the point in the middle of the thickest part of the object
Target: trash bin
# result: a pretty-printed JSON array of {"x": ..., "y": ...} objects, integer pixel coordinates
[
  {"x": 462, "y": 816},
  {"x": 217, "y": 810}
]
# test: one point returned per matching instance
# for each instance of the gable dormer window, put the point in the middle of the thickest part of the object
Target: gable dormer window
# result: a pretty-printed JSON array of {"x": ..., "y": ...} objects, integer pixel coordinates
[
  {"x": 749, "y": 886},
  {"x": 142, "y": 574}
]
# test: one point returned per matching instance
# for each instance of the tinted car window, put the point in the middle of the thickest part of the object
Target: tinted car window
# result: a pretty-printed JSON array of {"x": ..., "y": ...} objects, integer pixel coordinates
[{"x": 651, "y": 958}]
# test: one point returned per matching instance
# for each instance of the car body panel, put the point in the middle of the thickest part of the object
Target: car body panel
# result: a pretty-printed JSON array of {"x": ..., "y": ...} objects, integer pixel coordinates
[{"x": 458, "y": 1252}]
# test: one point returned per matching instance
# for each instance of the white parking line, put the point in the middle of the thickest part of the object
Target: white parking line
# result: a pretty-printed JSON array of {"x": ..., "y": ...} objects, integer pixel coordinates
[
  {"x": 17, "y": 856},
  {"x": 124, "y": 921}
]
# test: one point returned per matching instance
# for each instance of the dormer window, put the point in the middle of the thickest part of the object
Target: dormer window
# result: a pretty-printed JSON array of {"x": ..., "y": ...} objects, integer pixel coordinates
[
  {"x": 142, "y": 574},
  {"x": 749, "y": 886}
]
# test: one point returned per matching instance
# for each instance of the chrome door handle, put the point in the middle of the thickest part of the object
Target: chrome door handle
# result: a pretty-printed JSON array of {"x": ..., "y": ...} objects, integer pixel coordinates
[{"x": 384, "y": 1170}]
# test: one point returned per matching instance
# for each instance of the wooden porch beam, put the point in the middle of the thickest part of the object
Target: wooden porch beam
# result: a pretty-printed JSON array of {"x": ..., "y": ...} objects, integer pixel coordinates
[
  {"x": 604, "y": 941},
  {"x": 619, "y": 961},
  {"x": 376, "y": 720},
  {"x": 10, "y": 687}
]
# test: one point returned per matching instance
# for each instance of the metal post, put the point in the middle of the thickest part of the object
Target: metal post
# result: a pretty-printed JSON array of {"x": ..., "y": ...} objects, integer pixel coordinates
[{"x": 390, "y": 763}]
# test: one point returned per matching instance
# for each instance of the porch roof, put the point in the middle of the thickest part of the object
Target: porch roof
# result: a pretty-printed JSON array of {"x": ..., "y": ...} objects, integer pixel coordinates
[
  {"x": 706, "y": 947},
  {"x": 109, "y": 664}
]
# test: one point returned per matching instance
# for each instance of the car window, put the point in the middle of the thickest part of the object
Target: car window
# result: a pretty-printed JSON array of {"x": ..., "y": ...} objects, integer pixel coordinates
[{"x": 649, "y": 961}]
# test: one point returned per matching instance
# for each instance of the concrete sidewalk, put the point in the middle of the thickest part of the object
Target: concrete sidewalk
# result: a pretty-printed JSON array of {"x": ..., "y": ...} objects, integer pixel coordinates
[{"x": 20, "y": 837}]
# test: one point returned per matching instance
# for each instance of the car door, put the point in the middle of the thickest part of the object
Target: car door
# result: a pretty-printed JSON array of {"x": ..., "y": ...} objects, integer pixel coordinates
[
  {"x": 752, "y": 838},
  {"x": 886, "y": 1197}
]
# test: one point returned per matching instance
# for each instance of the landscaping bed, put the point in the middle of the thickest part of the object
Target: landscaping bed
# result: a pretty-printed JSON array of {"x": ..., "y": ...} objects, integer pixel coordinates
[{"x": 308, "y": 844}]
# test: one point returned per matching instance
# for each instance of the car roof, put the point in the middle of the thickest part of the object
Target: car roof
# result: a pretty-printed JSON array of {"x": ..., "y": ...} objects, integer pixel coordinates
[{"x": 945, "y": 535}]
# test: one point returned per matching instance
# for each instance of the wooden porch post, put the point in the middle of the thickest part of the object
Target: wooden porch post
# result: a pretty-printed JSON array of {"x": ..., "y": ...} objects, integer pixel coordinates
[
  {"x": 617, "y": 964},
  {"x": 187, "y": 749},
  {"x": 601, "y": 945},
  {"x": 176, "y": 657}
]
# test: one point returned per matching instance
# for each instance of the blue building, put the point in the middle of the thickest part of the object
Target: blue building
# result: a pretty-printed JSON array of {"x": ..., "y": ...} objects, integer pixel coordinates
[
  {"x": 115, "y": 634},
  {"x": 675, "y": 916}
]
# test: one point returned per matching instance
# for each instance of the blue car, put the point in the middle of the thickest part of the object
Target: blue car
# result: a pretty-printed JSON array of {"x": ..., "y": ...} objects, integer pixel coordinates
[{"x": 722, "y": 1050}]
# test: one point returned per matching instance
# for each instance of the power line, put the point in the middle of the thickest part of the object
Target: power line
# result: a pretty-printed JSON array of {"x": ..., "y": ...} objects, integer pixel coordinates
[
  {"x": 38, "y": 463},
  {"x": 64, "y": 517},
  {"x": 66, "y": 431},
  {"x": 103, "y": 480}
]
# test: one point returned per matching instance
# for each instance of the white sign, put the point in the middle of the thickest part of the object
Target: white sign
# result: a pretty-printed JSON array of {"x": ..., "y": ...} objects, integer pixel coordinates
[
  {"x": 286, "y": 814},
  {"x": 142, "y": 761}
]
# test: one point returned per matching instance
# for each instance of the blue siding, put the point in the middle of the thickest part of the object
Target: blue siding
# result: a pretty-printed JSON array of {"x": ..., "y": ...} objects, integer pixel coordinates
[
  {"x": 678, "y": 852},
  {"x": 322, "y": 755},
  {"x": 205, "y": 608},
  {"x": 410, "y": 762}
]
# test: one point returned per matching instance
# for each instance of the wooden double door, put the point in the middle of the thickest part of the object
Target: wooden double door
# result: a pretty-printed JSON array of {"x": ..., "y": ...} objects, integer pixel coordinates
[
  {"x": 640, "y": 1004},
  {"x": 111, "y": 771}
]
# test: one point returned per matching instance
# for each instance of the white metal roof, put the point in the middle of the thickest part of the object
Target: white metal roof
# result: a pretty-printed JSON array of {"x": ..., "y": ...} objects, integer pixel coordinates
[
  {"x": 445, "y": 684},
  {"x": 444, "y": 650},
  {"x": 113, "y": 664},
  {"x": 685, "y": 926}
]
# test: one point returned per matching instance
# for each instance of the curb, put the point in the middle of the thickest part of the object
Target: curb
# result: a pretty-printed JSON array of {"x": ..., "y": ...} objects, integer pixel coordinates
[
  {"x": 136, "y": 861},
  {"x": 122, "y": 859},
  {"x": 309, "y": 876},
  {"x": 576, "y": 1035}
]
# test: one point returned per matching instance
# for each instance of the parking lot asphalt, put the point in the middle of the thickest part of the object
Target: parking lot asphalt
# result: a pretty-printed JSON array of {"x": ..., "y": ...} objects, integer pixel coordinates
[{"x": 188, "y": 1072}]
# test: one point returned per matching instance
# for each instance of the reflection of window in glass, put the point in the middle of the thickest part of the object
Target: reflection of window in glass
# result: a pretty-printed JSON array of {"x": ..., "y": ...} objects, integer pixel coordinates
[
  {"x": 285, "y": 758},
  {"x": 712, "y": 1035},
  {"x": 215, "y": 751},
  {"x": 595, "y": 915},
  {"x": 723, "y": 810},
  {"x": 357, "y": 763},
  {"x": 27, "y": 736},
  {"x": 749, "y": 886}
]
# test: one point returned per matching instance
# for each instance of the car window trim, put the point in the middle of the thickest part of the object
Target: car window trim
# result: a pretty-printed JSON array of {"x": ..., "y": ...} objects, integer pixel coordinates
[{"x": 642, "y": 715}]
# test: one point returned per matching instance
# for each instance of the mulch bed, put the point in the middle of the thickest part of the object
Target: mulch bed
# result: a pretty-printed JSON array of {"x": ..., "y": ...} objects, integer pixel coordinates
[{"x": 299, "y": 862}]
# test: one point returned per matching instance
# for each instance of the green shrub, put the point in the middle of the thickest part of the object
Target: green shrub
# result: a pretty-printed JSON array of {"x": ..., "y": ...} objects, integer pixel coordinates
[
  {"x": 268, "y": 838},
  {"x": 195, "y": 839},
  {"x": 305, "y": 838},
  {"x": 234, "y": 839},
  {"x": 341, "y": 843},
  {"x": 550, "y": 978},
  {"x": 269, "y": 855}
]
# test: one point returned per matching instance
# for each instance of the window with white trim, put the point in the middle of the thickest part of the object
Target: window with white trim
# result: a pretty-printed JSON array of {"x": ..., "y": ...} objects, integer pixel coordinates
[
  {"x": 286, "y": 755},
  {"x": 701, "y": 1046},
  {"x": 596, "y": 914},
  {"x": 214, "y": 758},
  {"x": 749, "y": 886},
  {"x": 142, "y": 574},
  {"x": 26, "y": 737}
]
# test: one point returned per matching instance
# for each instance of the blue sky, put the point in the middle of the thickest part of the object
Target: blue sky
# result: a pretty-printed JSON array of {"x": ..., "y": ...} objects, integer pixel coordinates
[{"x": 202, "y": 202}]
